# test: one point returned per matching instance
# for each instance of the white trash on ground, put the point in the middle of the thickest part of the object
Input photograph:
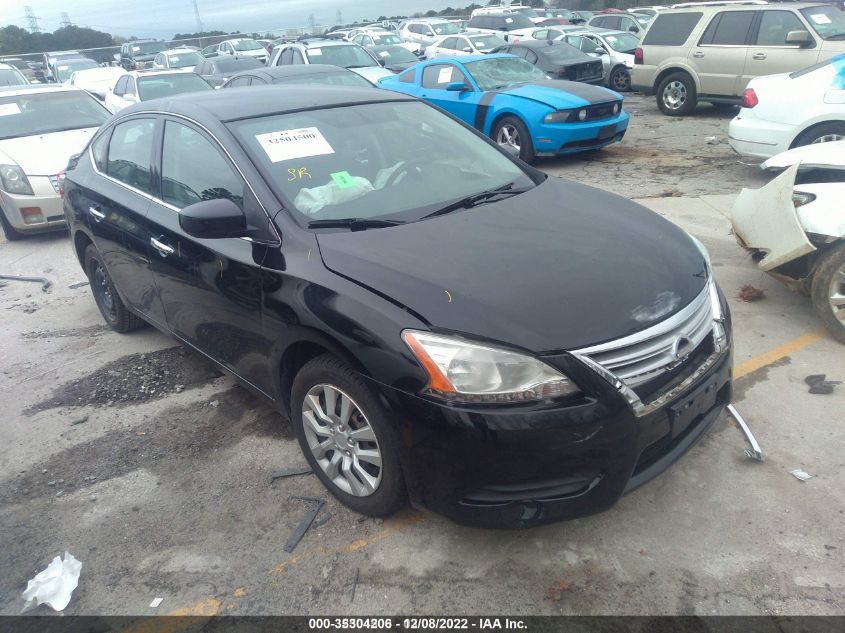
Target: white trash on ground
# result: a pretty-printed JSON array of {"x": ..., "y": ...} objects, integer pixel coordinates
[
  {"x": 54, "y": 585},
  {"x": 800, "y": 475}
]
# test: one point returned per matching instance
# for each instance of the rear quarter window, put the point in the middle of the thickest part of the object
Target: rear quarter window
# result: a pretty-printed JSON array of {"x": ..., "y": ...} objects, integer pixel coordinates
[{"x": 672, "y": 29}]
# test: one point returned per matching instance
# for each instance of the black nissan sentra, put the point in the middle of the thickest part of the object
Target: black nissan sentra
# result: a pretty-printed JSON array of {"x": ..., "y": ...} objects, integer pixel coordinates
[{"x": 440, "y": 321}]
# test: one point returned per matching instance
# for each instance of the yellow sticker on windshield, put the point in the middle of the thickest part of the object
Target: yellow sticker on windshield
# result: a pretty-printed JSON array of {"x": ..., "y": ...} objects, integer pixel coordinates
[{"x": 343, "y": 180}]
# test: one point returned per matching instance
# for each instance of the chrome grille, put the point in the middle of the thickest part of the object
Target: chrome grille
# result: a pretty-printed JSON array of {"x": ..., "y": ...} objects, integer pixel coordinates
[{"x": 644, "y": 356}]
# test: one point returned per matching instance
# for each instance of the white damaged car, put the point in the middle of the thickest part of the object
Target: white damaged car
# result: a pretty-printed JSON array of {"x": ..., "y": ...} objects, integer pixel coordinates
[{"x": 795, "y": 226}]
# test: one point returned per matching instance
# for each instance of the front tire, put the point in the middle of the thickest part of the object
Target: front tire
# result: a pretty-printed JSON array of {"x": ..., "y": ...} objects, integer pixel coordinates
[
  {"x": 828, "y": 291},
  {"x": 346, "y": 436},
  {"x": 619, "y": 80},
  {"x": 824, "y": 133},
  {"x": 116, "y": 315},
  {"x": 12, "y": 235},
  {"x": 676, "y": 95},
  {"x": 511, "y": 133}
]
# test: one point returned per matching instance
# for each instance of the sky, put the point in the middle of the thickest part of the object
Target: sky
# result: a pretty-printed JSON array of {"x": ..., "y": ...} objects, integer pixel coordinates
[{"x": 164, "y": 18}]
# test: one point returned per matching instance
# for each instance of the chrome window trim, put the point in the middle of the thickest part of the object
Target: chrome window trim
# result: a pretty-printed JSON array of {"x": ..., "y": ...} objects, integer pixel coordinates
[{"x": 157, "y": 200}]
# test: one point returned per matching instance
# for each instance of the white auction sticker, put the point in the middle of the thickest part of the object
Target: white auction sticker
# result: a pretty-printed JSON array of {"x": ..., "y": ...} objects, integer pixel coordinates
[
  {"x": 820, "y": 18},
  {"x": 384, "y": 54},
  {"x": 9, "y": 108},
  {"x": 315, "y": 51},
  {"x": 445, "y": 75},
  {"x": 508, "y": 20},
  {"x": 290, "y": 144}
]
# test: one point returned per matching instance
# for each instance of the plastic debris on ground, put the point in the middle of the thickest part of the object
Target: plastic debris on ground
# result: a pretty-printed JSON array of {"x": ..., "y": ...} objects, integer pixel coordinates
[
  {"x": 45, "y": 283},
  {"x": 291, "y": 472},
  {"x": 819, "y": 384},
  {"x": 54, "y": 585},
  {"x": 712, "y": 140},
  {"x": 800, "y": 475},
  {"x": 305, "y": 523},
  {"x": 156, "y": 601},
  {"x": 556, "y": 591},
  {"x": 78, "y": 284}
]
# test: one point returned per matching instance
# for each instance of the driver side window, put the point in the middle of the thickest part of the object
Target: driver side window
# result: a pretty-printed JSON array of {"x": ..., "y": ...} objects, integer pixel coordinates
[
  {"x": 193, "y": 169},
  {"x": 130, "y": 151}
]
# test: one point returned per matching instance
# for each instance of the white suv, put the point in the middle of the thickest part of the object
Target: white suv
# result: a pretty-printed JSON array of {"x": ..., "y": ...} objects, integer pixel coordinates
[{"x": 426, "y": 32}]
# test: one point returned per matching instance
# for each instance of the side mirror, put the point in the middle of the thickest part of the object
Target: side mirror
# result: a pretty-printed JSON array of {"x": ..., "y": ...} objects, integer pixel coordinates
[
  {"x": 213, "y": 219},
  {"x": 467, "y": 49},
  {"x": 633, "y": 29},
  {"x": 457, "y": 86},
  {"x": 600, "y": 51},
  {"x": 799, "y": 38}
]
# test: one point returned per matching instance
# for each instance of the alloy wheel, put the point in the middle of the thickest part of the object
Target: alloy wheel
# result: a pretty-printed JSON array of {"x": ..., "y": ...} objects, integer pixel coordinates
[
  {"x": 836, "y": 294},
  {"x": 827, "y": 138},
  {"x": 508, "y": 136},
  {"x": 620, "y": 81},
  {"x": 341, "y": 440},
  {"x": 674, "y": 95}
]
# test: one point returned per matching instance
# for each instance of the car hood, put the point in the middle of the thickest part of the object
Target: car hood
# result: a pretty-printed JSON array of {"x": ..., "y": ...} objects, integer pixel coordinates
[
  {"x": 562, "y": 95},
  {"x": 561, "y": 266},
  {"x": 411, "y": 46},
  {"x": 45, "y": 154},
  {"x": 372, "y": 73}
]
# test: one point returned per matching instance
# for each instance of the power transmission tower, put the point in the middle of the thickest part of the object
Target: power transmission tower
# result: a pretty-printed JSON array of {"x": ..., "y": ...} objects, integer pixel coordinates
[
  {"x": 32, "y": 20},
  {"x": 197, "y": 15},
  {"x": 65, "y": 20},
  {"x": 339, "y": 16},
  {"x": 312, "y": 21}
]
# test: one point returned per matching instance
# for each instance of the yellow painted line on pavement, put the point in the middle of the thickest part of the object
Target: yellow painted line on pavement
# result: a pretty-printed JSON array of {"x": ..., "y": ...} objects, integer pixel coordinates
[{"x": 775, "y": 354}]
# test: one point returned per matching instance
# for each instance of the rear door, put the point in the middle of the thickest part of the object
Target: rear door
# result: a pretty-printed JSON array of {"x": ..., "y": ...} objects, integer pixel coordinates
[
  {"x": 436, "y": 77},
  {"x": 719, "y": 58},
  {"x": 211, "y": 289},
  {"x": 770, "y": 54},
  {"x": 116, "y": 206}
]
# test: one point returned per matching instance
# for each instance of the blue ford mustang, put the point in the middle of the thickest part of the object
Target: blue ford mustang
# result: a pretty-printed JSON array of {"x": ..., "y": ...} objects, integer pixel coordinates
[{"x": 514, "y": 102}]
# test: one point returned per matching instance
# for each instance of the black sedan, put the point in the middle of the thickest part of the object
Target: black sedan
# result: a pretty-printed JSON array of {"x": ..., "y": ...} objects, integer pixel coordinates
[
  {"x": 216, "y": 70},
  {"x": 297, "y": 74},
  {"x": 558, "y": 59},
  {"x": 504, "y": 347},
  {"x": 393, "y": 57}
]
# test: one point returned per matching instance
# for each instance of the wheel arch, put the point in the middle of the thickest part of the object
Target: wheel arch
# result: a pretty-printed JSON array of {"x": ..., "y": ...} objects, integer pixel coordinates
[
  {"x": 676, "y": 69},
  {"x": 814, "y": 124},
  {"x": 80, "y": 243}
]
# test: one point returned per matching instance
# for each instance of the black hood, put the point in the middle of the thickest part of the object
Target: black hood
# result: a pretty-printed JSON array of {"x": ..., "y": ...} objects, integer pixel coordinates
[{"x": 559, "y": 267}]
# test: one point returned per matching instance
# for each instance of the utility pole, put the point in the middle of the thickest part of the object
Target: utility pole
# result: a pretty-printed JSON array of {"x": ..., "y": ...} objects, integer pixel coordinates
[
  {"x": 312, "y": 22},
  {"x": 339, "y": 16},
  {"x": 65, "y": 20},
  {"x": 31, "y": 20},
  {"x": 197, "y": 15}
]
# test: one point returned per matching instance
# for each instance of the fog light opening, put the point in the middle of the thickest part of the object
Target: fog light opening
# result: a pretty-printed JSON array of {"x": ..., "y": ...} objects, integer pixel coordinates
[{"x": 32, "y": 215}]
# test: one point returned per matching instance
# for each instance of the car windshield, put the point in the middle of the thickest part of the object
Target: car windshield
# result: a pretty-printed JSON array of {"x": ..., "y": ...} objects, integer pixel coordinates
[
  {"x": 395, "y": 55},
  {"x": 486, "y": 42},
  {"x": 246, "y": 45},
  {"x": 827, "y": 20},
  {"x": 184, "y": 60},
  {"x": 345, "y": 56},
  {"x": 170, "y": 84},
  {"x": 46, "y": 112},
  {"x": 622, "y": 42},
  {"x": 500, "y": 72},
  {"x": 148, "y": 48},
  {"x": 513, "y": 21},
  {"x": 233, "y": 65},
  {"x": 12, "y": 77},
  {"x": 384, "y": 40},
  {"x": 337, "y": 78},
  {"x": 561, "y": 52},
  {"x": 64, "y": 69},
  {"x": 364, "y": 161}
]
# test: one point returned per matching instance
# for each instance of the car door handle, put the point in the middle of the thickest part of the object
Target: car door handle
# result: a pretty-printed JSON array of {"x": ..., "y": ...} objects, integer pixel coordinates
[
  {"x": 698, "y": 54},
  {"x": 758, "y": 56},
  {"x": 163, "y": 249},
  {"x": 98, "y": 215}
]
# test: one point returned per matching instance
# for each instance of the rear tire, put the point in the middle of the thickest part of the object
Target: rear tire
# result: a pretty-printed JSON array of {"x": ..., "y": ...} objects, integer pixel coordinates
[
  {"x": 116, "y": 315},
  {"x": 828, "y": 291},
  {"x": 676, "y": 95},
  {"x": 619, "y": 80},
  {"x": 12, "y": 235},
  {"x": 347, "y": 437},
  {"x": 511, "y": 131},
  {"x": 833, "y": 131}
]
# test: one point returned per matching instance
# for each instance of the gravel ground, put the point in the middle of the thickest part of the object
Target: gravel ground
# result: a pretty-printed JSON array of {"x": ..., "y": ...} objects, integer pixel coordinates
[{"x": 156, "y": 472}]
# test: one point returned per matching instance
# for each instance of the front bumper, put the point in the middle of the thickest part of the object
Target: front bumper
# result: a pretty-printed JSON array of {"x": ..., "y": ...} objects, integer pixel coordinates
[
  {"x": 569, "y": 138},
  {"x": 20, "y": 209},
  {"x": 524, "y": 466},
  {"x": 753, "y": 137}
]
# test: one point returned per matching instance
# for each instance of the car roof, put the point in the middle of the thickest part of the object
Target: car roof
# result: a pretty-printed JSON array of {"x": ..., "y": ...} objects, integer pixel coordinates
[
  {"x": 321, "y": 42},
  {"x": 154, "y": 73},
  {"x": 738, "y": 4},
  {"x": 465, "y": 59},
  {"x": 538, "y": 43},
  {"x": 34, "y": 89},
  {"x": 230, "y": 105},
  {"x": 291, "y": 70}
]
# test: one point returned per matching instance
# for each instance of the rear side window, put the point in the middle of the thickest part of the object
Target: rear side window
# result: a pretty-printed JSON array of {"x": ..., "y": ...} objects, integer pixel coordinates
[
  {"x": 193, "y": 169},
  {"x": 728, "y": 28},
  {"x": 130, "y": 150},
  {"x": 671, "y": 29},
  {"x": 98, "y": 149}
]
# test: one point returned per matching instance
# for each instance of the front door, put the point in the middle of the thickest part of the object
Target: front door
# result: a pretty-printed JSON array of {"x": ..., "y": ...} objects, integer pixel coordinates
[
  {"x": 436, "y": 78},
  {"x": 210, "y": 288},
  {"x": 770, "y": 54}
]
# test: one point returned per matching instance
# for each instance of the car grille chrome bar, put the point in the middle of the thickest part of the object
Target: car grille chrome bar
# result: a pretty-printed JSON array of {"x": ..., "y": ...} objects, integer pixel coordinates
[{"x": 634, "y": 360}]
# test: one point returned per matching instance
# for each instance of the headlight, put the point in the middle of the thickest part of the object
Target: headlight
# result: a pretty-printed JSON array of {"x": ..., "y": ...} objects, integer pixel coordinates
[
  {"x": 13, "y": 180},
  {"x": 800, "y": 198},
  {"x": 566, "y": 116},
  {"x": 616, "y": 108},
  {"x": 461, "y": 371}
]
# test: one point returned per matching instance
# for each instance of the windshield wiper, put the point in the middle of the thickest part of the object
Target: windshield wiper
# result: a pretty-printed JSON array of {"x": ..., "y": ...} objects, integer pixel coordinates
[
  {"x": 479, "y": 198},
  {"x": 353, "y": 224}
]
